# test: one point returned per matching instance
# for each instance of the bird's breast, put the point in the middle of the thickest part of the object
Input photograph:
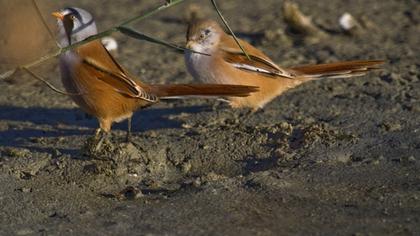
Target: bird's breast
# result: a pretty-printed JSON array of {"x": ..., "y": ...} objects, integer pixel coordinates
[
  {"x": 201, "y": 67},
  {"x": 68, "y": 66}
]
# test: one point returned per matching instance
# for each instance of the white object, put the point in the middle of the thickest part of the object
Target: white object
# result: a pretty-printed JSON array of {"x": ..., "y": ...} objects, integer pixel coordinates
[
  {"x": 347, "y": 22},
  {"x": 110, "y": 43}
]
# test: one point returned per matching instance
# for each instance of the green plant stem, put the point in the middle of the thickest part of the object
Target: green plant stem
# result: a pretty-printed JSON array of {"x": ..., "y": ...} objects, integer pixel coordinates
[{"x": 230, "y": 30}]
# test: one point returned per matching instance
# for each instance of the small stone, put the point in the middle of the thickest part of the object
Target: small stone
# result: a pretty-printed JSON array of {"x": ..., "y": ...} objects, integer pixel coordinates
[
  {"x": 24, "y": 231},
  {"x": 186, "y": 167},
  {"x": 197, "y": 182},
  {"x": 26, "y": 190},
  {"x": 347, "y": 22},
  {"x": 186, "y": 126}
]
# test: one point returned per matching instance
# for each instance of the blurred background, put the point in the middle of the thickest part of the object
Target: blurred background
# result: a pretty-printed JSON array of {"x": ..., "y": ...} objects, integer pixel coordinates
[
  {"x": 24, "y": 37},
  {"x": 335, "y": 155}
]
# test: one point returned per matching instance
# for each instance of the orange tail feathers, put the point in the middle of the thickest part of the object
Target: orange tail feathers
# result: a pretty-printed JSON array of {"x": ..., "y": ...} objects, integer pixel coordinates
[
  {"x": 179, "y": 90},
  {"x": 338, "y": 69}
]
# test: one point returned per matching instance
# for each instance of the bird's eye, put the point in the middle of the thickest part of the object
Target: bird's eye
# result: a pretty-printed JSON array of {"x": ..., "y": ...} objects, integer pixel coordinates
[
  {"x": 73, "y": 17},
  {"x": 204, "y": 33}
]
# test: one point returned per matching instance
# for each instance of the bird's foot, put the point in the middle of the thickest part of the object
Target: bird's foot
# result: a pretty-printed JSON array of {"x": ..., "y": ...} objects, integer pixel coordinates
[
  {"x": 128, "y": 138},
  {"x": 95, "y": 145}
]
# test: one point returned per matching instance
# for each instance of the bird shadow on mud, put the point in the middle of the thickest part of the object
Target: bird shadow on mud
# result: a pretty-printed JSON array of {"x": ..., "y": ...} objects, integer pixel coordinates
[{"x": 23, "y": 124}]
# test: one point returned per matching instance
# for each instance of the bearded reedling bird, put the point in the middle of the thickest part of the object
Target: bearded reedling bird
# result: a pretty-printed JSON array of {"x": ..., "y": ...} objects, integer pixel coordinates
[
  {"x": 227, "y": 64},
  {"x": 100, "y": 86}
]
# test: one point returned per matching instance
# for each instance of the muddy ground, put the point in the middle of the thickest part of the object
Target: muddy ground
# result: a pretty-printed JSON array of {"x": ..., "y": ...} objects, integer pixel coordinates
[{"x": 331, "y": 157}]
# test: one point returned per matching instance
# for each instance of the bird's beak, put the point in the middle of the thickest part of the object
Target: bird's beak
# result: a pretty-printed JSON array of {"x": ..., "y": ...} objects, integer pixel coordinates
[
  {"x": 190, "y": 44},
  {"x": 58, "y": 15}
]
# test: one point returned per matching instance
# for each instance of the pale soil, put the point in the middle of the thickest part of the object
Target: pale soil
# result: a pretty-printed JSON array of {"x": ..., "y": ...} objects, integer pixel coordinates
[{"x": 331, "y": 157}]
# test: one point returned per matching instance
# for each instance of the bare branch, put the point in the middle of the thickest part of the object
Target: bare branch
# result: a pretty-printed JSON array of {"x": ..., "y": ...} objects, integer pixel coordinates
[{"x": 49, "y": 84}]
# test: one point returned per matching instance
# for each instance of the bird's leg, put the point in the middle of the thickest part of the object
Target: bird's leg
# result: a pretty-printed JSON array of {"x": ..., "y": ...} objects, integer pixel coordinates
[
  {"x": 128, "y": 136},
  {"x": 97, "y": 133},
  {"x": 103, "y": 135}
]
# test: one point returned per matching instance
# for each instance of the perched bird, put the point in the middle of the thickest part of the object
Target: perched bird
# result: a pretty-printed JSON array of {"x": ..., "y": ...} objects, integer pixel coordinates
[
  {"x": 100, "y": 86},
  {"x": 227, "y": 64}
]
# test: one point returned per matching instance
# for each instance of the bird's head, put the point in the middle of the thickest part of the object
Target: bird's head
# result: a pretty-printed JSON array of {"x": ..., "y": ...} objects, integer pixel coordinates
[
  {"x": 204, "y": 35},
  {"x": 74, "y": 25}
]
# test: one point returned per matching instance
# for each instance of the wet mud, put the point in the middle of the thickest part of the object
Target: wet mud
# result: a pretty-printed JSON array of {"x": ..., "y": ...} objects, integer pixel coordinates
[{"x": 331, "y": 157}]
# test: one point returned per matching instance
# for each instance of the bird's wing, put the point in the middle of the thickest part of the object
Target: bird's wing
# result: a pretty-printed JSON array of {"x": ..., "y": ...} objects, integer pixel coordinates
[
  {"x": 103, "y": 66},
  {"x": 259, "y": 62}
]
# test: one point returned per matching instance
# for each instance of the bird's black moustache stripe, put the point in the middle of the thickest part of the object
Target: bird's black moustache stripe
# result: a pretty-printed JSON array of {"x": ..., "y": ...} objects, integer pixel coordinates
[
  {"x": 84, "y": 25},
  {"x": 75, "y": 13}
]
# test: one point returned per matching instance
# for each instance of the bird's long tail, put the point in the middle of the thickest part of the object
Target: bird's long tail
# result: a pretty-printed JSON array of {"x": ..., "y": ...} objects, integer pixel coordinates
[
  {"x": 202, "y": 90},
  {"x": 336, "y": 70}
]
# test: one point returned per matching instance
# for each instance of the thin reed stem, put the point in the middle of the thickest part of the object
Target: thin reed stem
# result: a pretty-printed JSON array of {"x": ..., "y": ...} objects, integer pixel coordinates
[{"x": 230, "y": 30}]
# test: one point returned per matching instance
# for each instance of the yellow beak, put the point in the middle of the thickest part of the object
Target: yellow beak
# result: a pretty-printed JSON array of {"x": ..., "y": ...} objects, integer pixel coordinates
[
  {"x": 58, "y": 15},
  {"x": 190, "y": 44}
]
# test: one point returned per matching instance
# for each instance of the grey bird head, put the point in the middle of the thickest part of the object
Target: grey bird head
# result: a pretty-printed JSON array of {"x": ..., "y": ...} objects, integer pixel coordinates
[
  {"x": 74, "y": 25},
  {"x": 204, "y": 35}
]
